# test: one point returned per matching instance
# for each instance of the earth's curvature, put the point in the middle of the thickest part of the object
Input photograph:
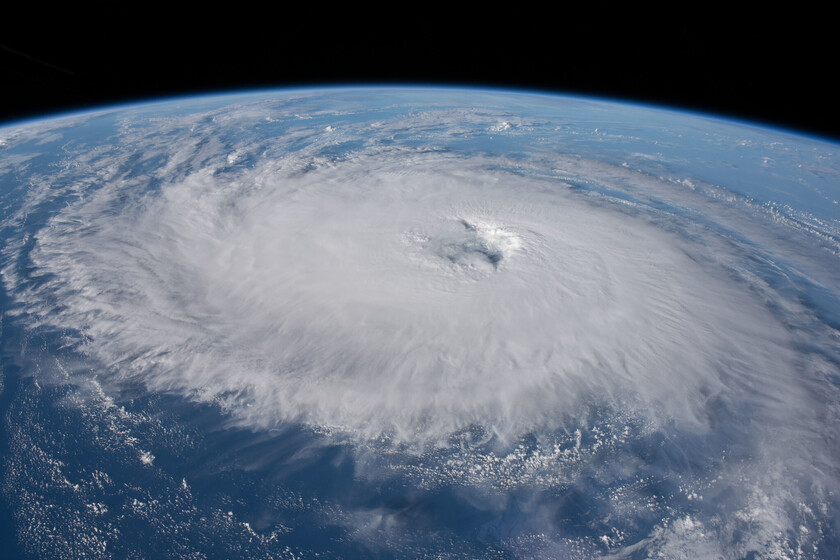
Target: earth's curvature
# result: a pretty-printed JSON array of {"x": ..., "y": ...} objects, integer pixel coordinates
[{"x": 417, "y": 323}]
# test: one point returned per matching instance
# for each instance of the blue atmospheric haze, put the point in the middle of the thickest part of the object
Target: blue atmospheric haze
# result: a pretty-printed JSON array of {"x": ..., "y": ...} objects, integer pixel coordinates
[{"x": 417, "y": 323}]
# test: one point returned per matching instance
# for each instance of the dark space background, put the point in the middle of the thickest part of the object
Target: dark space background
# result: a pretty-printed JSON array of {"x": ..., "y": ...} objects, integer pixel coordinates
[{"x": 775, "y": 68}]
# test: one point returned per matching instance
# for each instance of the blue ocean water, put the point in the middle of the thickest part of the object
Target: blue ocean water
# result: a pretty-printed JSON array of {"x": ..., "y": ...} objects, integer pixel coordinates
[{"x": 227, "y": 331}]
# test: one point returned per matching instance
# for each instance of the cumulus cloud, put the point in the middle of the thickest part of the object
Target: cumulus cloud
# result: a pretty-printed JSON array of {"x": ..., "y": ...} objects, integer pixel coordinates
[
  {"x": 410, "y": 297},
  {"x": 407, "y": 299}
]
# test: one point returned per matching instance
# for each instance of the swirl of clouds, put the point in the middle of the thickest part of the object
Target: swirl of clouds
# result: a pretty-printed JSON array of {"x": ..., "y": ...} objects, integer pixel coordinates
[{"x": 371, "y": 276}]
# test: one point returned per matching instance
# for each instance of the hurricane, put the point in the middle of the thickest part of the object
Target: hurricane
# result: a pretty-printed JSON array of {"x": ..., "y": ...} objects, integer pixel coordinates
[{"x": 420, "y": 323}]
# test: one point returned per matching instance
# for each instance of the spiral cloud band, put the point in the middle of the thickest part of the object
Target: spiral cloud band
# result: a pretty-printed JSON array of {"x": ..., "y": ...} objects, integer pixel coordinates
[
  {"x": 371, "y": 280},
  {"x": 404, "y": 295}
]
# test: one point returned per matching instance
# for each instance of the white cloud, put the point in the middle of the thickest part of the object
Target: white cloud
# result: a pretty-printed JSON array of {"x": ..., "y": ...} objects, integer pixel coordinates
[
  {"x": 300, "y": 301},
  {"x": 413, "y": 293}
]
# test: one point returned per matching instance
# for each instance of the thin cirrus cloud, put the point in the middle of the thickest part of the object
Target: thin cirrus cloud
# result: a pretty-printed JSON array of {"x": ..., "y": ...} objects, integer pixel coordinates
[
  {"x": 398, "y": 294},
  {"x": 385, "y": 285}
]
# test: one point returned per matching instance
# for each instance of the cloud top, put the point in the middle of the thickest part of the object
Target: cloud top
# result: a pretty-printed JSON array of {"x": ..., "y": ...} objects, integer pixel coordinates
[{"x": 410, "y": 298}]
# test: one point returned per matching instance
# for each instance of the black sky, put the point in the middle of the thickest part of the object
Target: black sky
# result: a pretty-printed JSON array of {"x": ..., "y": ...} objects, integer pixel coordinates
[{"x": 776, "y": 69}]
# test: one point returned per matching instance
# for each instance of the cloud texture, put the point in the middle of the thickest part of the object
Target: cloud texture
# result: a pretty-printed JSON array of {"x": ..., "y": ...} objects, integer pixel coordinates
[{"x": 382, "y": 284}]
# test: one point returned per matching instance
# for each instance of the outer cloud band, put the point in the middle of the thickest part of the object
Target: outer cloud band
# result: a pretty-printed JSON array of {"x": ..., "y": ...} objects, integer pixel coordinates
[{"x": 361, "y": 298}]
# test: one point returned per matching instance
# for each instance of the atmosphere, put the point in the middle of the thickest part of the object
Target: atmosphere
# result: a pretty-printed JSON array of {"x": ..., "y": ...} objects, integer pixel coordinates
[
  {"x": 771, "y": 67},
  {"x": 417, "y": 323}
]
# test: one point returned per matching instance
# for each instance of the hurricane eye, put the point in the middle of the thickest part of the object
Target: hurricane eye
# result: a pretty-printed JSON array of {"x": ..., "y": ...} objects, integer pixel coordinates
[{"x": 470, "y": 244}]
